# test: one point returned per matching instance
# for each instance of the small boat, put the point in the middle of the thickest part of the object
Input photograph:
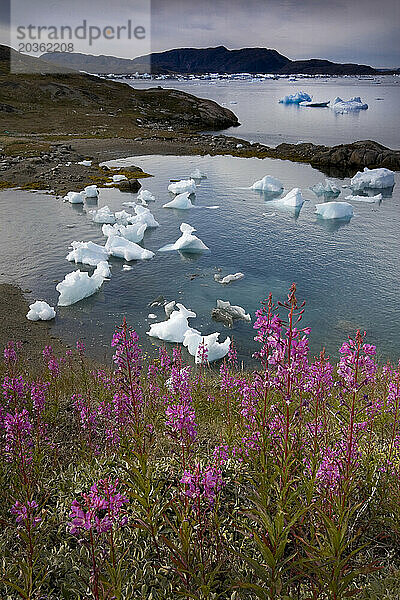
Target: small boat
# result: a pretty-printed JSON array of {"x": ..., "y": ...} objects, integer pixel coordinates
[{"x": 314, "y": 104}]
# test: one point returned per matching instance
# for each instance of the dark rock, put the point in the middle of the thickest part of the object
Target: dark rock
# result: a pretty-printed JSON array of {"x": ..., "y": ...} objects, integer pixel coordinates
[{"x": 129, "y": 185}]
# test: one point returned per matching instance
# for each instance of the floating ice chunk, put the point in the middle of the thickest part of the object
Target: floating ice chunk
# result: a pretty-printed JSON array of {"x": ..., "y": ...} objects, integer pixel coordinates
[
  {"x": 118, "y": 178},
  {"x": 334, "y": 210},
  {"x": 123, "y": 248},
  {"x": 370, "y": 199},
  {"x": 293, "y": 198},
  {"x": 152, "y": 316},
  {"x": 215, "y": 351},
  {"x": 268, "y": 184},
  {"x": 85, "y": 163},
  {"x": 197, "y": 174},
  {"x": 91, "y": 191},
  {"x": 175, "y": 327},
  {"x": 181, "y": 201},
  {"x": 143, "y": 215},
  {"x": 133, "y": 233},
  {"x": 103, "y": 215},
  {"x": 228, "y": 278},
  {"x": 295, "y": 98},
  {"x": 87, "y": 253},
  {"x": 78, "y": 285},
  {"x": 169, "y": 308},
  {"x": 122, "y": 217},
  {"x": 40, "y": 311},
  {"x": 236, "y": 312},
  {"x": 74, "y": 198},
  {"x": 187, "y": 242},
  {"x": 326, "y": 188},
  {"x": 185, "y": 185},
  {"x": 127, "y": 268},
  {"x": 372, "y": 178},
  {"x": 344, "y": 106},
  {"x": 146, "y": 196}
]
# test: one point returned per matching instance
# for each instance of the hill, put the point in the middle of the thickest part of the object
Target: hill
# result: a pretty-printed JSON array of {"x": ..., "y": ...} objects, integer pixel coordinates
[{"x": 206, "y": 60}]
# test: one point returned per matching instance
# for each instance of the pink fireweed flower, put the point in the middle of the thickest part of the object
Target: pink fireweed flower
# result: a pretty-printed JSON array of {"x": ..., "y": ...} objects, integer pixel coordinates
[
  {"x": 100, "y": 510},
  {"x": 181, "y": 421},
  {"x": 10, "y": 352},
  {"x": 24, "y": 514},
  {"x": 18, "y": 436},
  {"x": 80, "y": 347},
  {"x": 202, "y": 483},
  {"x": 14, "y": 390},
  {"x": 39, "y": 390}
]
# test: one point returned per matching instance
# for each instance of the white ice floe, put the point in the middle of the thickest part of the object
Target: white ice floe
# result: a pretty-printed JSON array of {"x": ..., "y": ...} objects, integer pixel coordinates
[
  {"x": 133, "y": 233},
  {"x": 103, "y": 215},
  {"x": 123, "y": 248},
  {"x": 123, "y": 218},
  {"x": 40, "y": 311},
  {"x": 294, "y": 198},
  {"x": 152, "y": 316},
  {"x": 194, "y": 341},
  {"x": 85, "y": 163},
  {"x": 334, "y": 210},
  {"x": 143, "y": 215},
  {"x": 175, "y": 327},
  {"x": 91, "y": 191},
  {"x": 145, "y": 196},
  {"x": 236, "y": 312},
  {"x": 181, "y": 201},
  {"x": 228, "y": 278},
  {"x": 74, "y": 198},
  {"x": 87, "y": 253},
  {"x": 325, "y": 188},
  {"x": 344, "y": 106},
  {"x": 169, "y": 308},
  {"x": 372, "y": 178},
  {"x": 268, "y": 184},
  {"x": 369, "y": 199},
  {"x": 78, "y": 284},
  {"x": 118, "y": 178},
  {"x": 127, "y": 268},
  {"x": 197, "y": 174},
  {"x": 295, "y": 98},
  {"x": 187, "y": 242},
  {"x": 185, "y": 185}
]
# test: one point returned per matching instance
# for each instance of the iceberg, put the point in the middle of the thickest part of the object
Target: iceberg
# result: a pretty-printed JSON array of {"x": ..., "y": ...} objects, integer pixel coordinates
[
  {"x": 85, "y": 163},
  {"x": 215, "y": 351},
  {"x": 370, "y": 199},
  {"x": 185, "y": 185},
  {"x": 175, "y": 327},
  {"x": 334, "y": 210},
  {"x": 87, "y": 253},
  {"x": 143, "y": 215},
  {"x": 118, "y": 178},
  {"x": 122, "y": 217},
  {"x": 181, "y": 201},
  {"x": 133, "y": 233},
  {"x": 295, "y": 98},
  {"x": 293, "y": 198},
  {"x": 268, "y": 184},
  {"x": 74, "y": 198},
  {"x": 228, "y": 278},
  {"x": 197, "y": 174},
  {"x": 91, "y": 191},
  {"x": 103, "y": 215},
  {"x": 326, "y": 188},
  {"x": 146, "y": 196},
  {"x": 344, "y": 106},
  {"x": 236, "y": 312},
  {"x": 123, "y": 248},
  {"x": 78, "y": 284},
  {"x": 372, "y": 178},
  {"x": 187, "y": 242},
  {"x": 169, "y": 308},
  {"x": 40, "y": 311}
]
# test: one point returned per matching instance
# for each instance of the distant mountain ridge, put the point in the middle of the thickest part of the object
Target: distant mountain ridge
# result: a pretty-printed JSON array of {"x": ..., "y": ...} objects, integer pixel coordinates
[{"x": 206, "y": 60}]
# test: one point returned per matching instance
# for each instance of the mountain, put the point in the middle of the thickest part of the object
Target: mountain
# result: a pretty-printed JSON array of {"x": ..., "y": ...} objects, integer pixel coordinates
[
  {"x": 77, "y": 103},
  {"x": 205, "y": 60}
]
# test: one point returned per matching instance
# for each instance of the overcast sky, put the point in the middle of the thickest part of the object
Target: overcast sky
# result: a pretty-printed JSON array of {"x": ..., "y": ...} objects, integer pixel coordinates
[{"x": 362, "y": 31}]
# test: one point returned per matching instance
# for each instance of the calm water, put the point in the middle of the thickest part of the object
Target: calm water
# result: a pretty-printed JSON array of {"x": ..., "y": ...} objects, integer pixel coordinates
[
  {"x": 264, "y": 120},
  {"x": 348, "y": 273}
]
